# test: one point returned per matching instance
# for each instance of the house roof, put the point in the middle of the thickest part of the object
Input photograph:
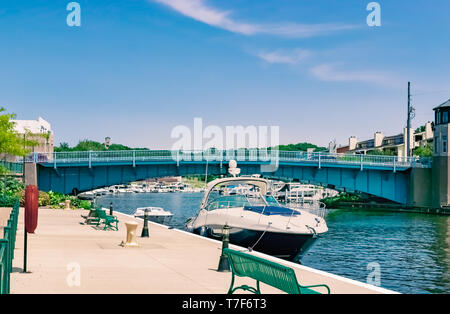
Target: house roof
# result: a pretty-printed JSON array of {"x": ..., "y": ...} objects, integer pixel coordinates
[{"x": 444, "y": 105}]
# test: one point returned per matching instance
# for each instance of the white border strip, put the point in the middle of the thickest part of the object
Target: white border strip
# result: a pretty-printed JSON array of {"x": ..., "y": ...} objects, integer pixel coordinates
[{"x": 280, "y": 261}]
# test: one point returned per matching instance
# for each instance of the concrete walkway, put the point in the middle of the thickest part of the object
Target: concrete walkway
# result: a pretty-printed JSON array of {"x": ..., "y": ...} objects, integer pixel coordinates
[
  {"x": 5, "y": 213},
  {"x": 170, "y": 261}
]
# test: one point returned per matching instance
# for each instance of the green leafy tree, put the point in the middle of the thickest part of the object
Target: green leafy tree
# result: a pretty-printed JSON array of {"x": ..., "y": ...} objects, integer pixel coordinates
[
  {"x": 11, "y": 142},
  {"x": 424, "y": 151},
  {"x": 303, "y": 147},
  {"x": 88, "y": 145},
  {"x": 119, "y": 147},
  {"x": 420, "y": 129},
  {"x": 380, "y": 152},
  {"x": 63, "y": 147}
]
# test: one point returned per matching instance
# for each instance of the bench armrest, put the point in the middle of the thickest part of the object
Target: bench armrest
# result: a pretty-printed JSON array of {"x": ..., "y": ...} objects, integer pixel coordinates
[{"x": 314, "y": 286}]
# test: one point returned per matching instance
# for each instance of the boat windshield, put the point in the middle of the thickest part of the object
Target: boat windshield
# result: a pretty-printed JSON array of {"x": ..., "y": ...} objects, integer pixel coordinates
[
  {"x": 228, "y": 201},
  {"x": 272, "y": 201},
  {"x": 237, "y": 193},
  {"x": 238, "y": 201}
]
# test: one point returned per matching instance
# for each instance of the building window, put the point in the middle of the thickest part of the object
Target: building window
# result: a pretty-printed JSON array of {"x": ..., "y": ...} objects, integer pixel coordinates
[
  {"x": 445, "y": 117},
  {"x": 444, "y": 144},
  {"x": 436, "y": 144},
  {"x": 438, "y": 117}
]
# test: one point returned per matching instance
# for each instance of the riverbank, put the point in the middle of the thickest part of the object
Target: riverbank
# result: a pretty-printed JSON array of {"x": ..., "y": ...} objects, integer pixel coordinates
[
  {"x": 169, "y": 261},
  {"x": 391, "y": 208}
]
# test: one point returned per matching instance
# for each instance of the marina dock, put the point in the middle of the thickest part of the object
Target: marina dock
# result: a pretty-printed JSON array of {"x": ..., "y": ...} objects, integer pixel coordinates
[{"x": 65, "y": 256}]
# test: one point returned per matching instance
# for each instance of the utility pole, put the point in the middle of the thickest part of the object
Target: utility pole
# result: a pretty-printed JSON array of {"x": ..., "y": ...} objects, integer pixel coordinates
[
  {"x": 23, "y": 160},
  {"x": 25, "y": 234},
  {"x": 408, "y": 124}
]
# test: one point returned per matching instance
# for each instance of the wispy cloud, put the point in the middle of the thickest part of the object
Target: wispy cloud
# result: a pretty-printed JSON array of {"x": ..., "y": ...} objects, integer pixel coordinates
[
  {"x": 286, "y": 57},
  {"x": 200, "y": 11},
  {"x": 330, "y": 73}
]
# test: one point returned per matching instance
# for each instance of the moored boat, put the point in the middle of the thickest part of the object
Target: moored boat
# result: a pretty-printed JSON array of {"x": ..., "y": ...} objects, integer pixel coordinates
[
  {"x": 156, "y": 214},
  {"x": 255, "y": 218}
]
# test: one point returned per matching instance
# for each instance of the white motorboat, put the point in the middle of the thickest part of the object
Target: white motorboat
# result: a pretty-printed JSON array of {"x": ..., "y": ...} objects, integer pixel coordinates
[
  {"x": 156, "y": 214},
  {"x": 255, "y": 218},
  {"x": 87, "y": 196}
]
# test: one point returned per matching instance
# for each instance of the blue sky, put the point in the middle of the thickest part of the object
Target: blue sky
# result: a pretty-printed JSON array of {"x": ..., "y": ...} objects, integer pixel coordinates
[{"x": 137, "y": 68}]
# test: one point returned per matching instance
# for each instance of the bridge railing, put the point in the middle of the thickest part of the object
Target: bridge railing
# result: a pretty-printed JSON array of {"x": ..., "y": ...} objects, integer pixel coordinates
[
  {"x": 251, "y": 155},
  {"x": 13, "y": 167}
]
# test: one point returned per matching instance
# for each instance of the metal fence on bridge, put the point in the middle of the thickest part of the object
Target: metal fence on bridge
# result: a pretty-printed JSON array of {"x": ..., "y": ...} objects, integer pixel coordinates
[
  {"x": 244, "y": 155},
  {"x": 12, "y": 167}
]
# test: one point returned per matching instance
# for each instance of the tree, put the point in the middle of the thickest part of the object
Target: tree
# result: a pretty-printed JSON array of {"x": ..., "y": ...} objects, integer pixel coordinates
[
  {"x": 63, "y": 147},
  {"x": 87, "y": 145},
  {"x": 11, "y": 142},
  {"x": 379, "y": 152},
  {"x": 420, "y": 129},
  {"x": 424, "y": 151},
  {"x": 300, "y": 147}
]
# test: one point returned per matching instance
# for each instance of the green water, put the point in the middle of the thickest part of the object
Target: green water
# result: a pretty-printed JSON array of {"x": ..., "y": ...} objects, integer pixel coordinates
[{"x": 412, "y": 250}]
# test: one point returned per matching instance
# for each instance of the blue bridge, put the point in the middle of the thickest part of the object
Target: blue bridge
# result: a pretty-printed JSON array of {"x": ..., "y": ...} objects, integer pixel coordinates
[{"x": 393, "y": 178}]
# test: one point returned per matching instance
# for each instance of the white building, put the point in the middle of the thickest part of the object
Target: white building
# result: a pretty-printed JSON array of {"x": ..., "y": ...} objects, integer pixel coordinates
[
  {"x": 34, "y": 126},
  {"x": 394, "y": 144},
  {"x": 41, "y": 127}
]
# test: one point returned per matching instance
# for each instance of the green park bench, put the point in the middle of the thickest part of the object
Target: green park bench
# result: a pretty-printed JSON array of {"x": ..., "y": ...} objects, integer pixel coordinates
[
  {"x": 270, "y": 273},
  {"x": 107, "y": 220},
  {"x": 91, "y": 217}
]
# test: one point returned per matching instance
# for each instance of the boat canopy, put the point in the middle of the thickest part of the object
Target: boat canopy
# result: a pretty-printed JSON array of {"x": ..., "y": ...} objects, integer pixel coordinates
[{"x": 262, "y": 184}]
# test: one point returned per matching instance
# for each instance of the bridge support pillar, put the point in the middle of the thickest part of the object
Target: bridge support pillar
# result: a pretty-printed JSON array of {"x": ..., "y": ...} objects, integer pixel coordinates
[
  {"x": 440, "y": 185},
  {"x": 30, "y": 173},
  {"x": 420, "y": 187}
]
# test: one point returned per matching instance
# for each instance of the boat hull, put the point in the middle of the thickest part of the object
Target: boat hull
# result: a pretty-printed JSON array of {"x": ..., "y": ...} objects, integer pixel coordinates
[
  {"x": 158, "y": 219},
  {"x": 283, "y": 245}
]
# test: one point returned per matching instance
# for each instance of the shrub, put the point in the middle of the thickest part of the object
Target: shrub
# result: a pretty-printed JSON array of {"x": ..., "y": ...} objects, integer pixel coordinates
[
  {"x": 10, "y": 186},
  {"x": 44, "y": 199},
  {"x": 85, "y": 204},
  {"x": 56, "y": 198},
  {"x": 7, "y": 200}
]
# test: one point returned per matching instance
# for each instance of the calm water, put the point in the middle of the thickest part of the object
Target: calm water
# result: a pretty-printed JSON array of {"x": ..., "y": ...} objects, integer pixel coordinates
[{"x": 413, "y": 250}]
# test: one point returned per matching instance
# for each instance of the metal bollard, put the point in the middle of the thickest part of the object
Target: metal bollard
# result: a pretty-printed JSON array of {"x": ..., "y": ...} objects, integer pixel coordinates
[
  {"x": 111, "y": 209},
  {"x": 144, "y": 233},
  {"x": 224, "y": 265},
  {"x": 131, "y": 234}
]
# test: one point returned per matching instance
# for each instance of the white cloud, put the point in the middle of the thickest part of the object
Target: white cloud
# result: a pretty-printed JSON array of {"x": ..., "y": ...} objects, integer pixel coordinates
[
  {"x": 329, "y": 73},
  {"x": 200, "y": 11},
  {"x": 292, "y": 57}
]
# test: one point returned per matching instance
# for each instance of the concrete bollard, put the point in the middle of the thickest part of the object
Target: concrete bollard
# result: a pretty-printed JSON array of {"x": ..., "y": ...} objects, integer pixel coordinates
[
  {"x": 67, "y": 204},
  {"x": 131, "y": 234}
]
